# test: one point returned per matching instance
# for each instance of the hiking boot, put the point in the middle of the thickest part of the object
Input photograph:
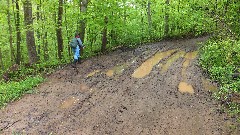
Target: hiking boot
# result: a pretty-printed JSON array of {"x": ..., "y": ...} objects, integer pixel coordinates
[
  {"x": 74, "y": 65},
  {"x": 79, "y": 61}
]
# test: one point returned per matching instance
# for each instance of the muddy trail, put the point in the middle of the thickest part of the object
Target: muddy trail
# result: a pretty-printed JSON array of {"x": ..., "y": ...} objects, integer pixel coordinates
[{"x": 156, "y": 89}]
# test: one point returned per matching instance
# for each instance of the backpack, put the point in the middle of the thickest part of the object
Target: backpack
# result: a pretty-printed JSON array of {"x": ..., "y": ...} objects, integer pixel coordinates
[{"x": 73, "y": 43}]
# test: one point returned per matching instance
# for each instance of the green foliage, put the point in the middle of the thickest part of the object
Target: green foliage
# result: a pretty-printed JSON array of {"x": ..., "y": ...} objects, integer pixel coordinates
[
  {"x": 24, "y": 71},
  {"x": 127, "y": 25},
  {"x": 234, "y": 108},
  {"x": 24, "y": 79},
  {"x": 14, "y": 90},
  {"x": 220, "y": 58}
]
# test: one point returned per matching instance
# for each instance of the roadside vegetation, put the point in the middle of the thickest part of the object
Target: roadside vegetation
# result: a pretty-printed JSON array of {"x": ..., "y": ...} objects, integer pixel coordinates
[
  {"x": 220, "y": 56},
  {"x": 221, "y": 59}
]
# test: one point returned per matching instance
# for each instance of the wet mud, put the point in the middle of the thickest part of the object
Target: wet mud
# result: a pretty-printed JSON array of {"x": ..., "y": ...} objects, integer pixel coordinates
[{"x": 156, "y": 89}]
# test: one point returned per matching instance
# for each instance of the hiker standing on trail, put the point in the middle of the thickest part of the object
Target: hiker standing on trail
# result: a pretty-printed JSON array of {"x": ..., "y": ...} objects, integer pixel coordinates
[{"x": 76, "y": 44}]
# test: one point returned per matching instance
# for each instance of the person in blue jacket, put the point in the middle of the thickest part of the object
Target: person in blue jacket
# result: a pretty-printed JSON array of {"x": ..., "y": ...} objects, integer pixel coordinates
[{"x": 76, "y": 50}]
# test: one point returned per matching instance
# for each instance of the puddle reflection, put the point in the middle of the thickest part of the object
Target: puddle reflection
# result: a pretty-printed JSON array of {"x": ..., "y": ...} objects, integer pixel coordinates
[
  {"x": 184, "y": 87},
  {"x": 110, "y": 73},
  {"x": 69, "y": 102},
  {"x": 147, "y": 66},
  {"x": 191, "y": 55},
  {"x": 93, "y": 73},
  {"x": 172, "y": 59},
  {"x": 184, "y": 69},
  {"x": 186, "y": 63},
  {"x": 118, "y": 70},
  {"x": 188, "y": 57}
]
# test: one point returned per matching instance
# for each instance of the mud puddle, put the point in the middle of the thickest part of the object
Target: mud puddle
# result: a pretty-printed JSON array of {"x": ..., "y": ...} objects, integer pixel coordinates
[
  {"x": 69, "y": 102},
  {"x": 147, "y": 66},
  {"x": 185, "y": 88}
]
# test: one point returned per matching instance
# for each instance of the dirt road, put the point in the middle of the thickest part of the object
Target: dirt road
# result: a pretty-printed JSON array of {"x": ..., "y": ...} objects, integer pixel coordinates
[{"x": 156, "y": 89}]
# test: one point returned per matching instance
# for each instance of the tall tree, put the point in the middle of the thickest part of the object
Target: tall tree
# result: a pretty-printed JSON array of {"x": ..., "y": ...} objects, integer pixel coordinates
[
  {"x": 83, "y": 10},
  {"x": 166, "y": 30},
  {"x": 45, "y": 48},
  {"x": 38, "y": 31},
  {"x": 104, "y": 35},
  {"x": 59, "y": 29},
  {"x": 45, "y": 35},
  {"x": 67, "y": 29},
  {"x": 142, "y": 21},
  {"x": 17, "y": 21},
  {"x": 30, "y": 40},
  {"x": 10, "y": 32},
  {"x": 149, "y": 19}
]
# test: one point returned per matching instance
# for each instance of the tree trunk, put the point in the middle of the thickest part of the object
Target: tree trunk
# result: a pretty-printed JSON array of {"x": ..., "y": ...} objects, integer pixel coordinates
[
  {"x": 45, "y": 49},
  {"x": 104, "y": 36},
  {"x": 166, "y": 30},
  {"x": 67, "y": 29},
  {"x": 1, "y": 61},
  {"x": 38, "y": 31},
  {"x": 83, "y": 10},
  {"x": 142, "y": 21},
  {"x": 18, "y": 57},
  {"x": 112, "y": 33},
  {"x": 54, "y": 16},
  {"x": 30, "y": 40},
  {"x": 149, "y": 19},
  {"x": 59, "y": 29},
  {"x": 178, "y": 23},
  {"x": 45, "y": 37},
  {"x": 124, "y": 20},
  {"x": 10, "y": 33}
]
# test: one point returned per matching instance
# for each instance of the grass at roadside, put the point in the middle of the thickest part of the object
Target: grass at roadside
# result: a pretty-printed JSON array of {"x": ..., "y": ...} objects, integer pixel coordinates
[{"x": 14, "y": 90}]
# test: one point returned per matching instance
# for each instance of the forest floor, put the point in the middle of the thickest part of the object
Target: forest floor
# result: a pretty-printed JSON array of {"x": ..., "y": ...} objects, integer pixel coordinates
[{"x": 155, "y": 89}]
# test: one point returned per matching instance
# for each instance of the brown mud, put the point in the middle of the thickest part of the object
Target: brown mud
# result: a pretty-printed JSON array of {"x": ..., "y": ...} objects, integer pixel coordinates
[{"x": 156, "y": 89}]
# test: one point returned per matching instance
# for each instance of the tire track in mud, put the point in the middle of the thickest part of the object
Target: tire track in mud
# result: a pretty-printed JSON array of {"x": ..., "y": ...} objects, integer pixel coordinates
[{"x": 103, "y": 96}]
